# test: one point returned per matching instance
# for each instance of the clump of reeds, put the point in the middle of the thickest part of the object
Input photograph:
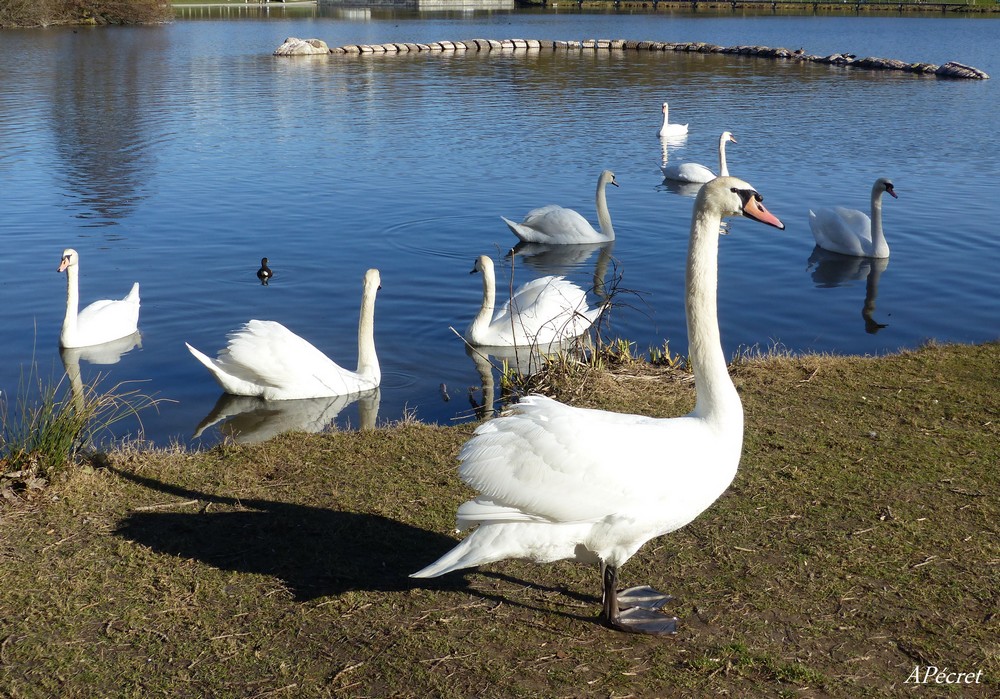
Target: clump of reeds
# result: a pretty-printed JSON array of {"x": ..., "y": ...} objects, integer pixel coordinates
[{"x": 47, "y": 424}]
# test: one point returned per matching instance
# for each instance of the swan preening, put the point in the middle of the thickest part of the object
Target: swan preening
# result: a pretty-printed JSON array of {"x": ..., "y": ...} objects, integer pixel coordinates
[
  {"x": 558, "y": 482},
  {"x": 541, "y": 312},
  {"x": 667, "y": 129},
  {"x": 851, "y": 232},
  {"x": 266, "y": 359},
  {"x": 554, "y": 224},
  {"x": 697, "y": 173},
  {"x": 100, "y": 322}
]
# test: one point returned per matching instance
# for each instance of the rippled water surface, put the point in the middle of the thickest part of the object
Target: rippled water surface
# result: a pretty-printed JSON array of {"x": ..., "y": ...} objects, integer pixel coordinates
[{"x": 179, "y": 155}]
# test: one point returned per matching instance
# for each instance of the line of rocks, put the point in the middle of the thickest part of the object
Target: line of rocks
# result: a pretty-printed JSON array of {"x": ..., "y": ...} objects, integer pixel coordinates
[{"x": 299, "y": 47}]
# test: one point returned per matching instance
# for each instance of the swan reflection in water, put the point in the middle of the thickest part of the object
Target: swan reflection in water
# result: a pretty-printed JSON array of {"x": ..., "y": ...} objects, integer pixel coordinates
[
  {"x": 561, "y": 260},
  {"x": 522, "y": 360},
  {"x": 831, "y": 269},
  {"x": 249, "y": 419},
  {"x": 103, "y": 354}
]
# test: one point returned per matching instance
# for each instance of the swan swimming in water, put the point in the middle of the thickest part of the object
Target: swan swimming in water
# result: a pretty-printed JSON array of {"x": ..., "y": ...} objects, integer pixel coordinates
[
  {"x": 541, "y": 312},
  {"x": 554, "y": 224},
  {"x": 266, "y": 359},
  {"x": 697, "y": 173},
  {"x": 100, "y": 322},
  {"x": 851, "y": 232},
  {"x": 667, "y": 129},
  {"x": 557, "y": 482}
]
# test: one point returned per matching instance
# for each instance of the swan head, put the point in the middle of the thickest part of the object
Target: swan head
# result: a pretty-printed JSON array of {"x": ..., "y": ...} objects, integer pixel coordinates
[
  {"x": 731, "y": 196},
  {"x": 373, "y": 280},
  {"x": 665, "y": 109},
  {"x": 607, "y": 177},
  {"x": 70, "y": 258},
  {"x": 483, "y": 264},
  {"x": 727, "y": 136},
  {"x": 884, "y": 184}
]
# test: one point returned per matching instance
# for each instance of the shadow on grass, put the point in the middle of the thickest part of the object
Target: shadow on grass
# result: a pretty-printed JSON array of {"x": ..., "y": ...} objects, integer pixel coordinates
[{"x": 316, "y": 552}]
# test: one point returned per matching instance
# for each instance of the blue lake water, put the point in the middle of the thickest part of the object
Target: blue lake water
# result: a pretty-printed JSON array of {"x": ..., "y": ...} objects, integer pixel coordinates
[{"x": 179, "y": 155}]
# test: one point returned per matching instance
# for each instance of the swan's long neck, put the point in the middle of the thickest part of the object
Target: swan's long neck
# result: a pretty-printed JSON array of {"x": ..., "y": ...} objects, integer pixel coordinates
[
  {"x": 603, "y": 215},
  {"x": 723, "y": 167},
  {"x": 368, "y": 365},
  {"x": 878, "y": 237},
  {"x": 485, "y": 315},
  {"x": 72, "y": 301},
  {"x": 717, "y": 400}
]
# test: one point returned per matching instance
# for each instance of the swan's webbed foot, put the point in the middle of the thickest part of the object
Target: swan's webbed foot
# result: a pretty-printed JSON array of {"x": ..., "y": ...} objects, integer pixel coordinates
[
  {"x": 644, "y": 597},
  {"x": 635, "y": 610},
  {"x": 640, "y": 620}
]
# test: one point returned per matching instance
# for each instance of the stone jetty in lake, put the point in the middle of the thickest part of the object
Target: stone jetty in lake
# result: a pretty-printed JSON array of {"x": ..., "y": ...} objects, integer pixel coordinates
[{"x": 297, "y": 47}]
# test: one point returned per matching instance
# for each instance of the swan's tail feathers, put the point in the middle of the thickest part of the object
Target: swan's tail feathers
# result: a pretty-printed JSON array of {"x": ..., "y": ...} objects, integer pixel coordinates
[
  {"x": 209, "y": 364},
  {"x": 133, "y": 295},
  {"x": 201, "y": 357},
  {"x": 459, "y": 557},
  {"x": 515, "y": 228}
]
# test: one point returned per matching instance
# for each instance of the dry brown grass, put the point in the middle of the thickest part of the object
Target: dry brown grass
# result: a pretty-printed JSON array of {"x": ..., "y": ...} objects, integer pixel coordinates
[{"x": 858, "y": 541}]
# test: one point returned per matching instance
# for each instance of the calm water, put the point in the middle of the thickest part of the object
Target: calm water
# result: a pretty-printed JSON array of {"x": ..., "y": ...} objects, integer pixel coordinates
[{"x": 179, "y": 155}]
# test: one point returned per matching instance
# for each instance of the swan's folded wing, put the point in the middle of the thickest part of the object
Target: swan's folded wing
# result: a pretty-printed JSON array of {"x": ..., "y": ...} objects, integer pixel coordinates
[
  {"x": 548, "y": 460},
  {"x": 267, "y": 353},
  {"x": 555, "y": 220},
  {"x": 114, "y": 316}
]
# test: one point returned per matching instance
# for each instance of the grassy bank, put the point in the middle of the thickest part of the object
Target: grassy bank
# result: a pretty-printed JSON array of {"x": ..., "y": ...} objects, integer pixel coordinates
[{"x": 858, "y": 541}]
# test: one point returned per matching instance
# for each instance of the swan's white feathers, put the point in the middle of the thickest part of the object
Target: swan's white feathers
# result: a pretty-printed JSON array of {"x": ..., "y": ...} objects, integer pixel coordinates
[
  {"x": 553, "y": 224},
  {"x": 528, "y": 460},
  {"x": 100, "y": 322},
  {"x": 843, "y": 230},
  {"x": 542, "y": 311},
  {"x": 556, "y": 225},
  {"x": 688, "y": 172},
  {"x": 121, "y": 315},
  {"x": 853, "y": 232},
  {"x": 265, "y": 358}
]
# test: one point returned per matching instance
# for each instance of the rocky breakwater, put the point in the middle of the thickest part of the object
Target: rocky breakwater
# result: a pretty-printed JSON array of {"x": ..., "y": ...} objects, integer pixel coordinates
[{"x": 298, "y": 47}]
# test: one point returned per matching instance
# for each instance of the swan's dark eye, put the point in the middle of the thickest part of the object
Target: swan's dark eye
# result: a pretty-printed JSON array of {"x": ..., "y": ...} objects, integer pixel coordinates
[{"x": 747, "y": 194}]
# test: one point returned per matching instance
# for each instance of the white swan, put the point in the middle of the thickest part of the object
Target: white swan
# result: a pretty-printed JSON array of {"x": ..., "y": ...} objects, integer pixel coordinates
[
  {"x": 667, "y": 129},
  {"x": 851, "y": 232},
  {"x": 696, "y": 172},
  {"x": 554, "y": 224},
  {"x": 266, "y": 359},
  {"x": 558, "y": 482},
  {"x": 540, "y": 312},
  {"x": 100, "y": 322}
]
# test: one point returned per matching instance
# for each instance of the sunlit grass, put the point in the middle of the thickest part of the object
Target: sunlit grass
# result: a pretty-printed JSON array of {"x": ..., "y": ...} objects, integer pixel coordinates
[{"x": 49, "y": 422}]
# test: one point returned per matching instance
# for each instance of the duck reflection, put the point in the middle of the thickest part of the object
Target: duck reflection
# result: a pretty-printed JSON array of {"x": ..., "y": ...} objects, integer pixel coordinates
[
  {"x": 104, "y": 354},
  {"x": 831, "y": 269},
  {"x": 249, "y": 419},
  {"x": 564, "y": 259}
]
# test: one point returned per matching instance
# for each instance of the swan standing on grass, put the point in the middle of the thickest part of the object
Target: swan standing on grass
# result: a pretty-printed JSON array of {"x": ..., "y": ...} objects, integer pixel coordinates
[
  {"x": 558, "y": 482},
  {"x": 696, "y": 172},
  {"x": 100, "y": 322},
  {"x": 667, "y": 129},
  {"x": 554, "y": 224},
  {"x": 851, "y": 232},
  {"x": 266, "y": 359},
  {"x": 543, "y": 311}
]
